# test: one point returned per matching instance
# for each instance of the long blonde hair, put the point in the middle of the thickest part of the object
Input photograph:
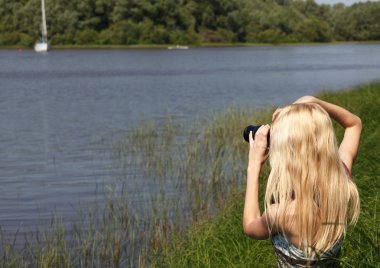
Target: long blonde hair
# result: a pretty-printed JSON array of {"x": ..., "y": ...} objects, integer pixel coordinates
[{"x": 306, "y": 171}]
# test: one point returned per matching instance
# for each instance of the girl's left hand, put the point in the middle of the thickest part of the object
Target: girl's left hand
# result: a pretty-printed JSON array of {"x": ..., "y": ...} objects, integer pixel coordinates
[
  {"x": 276, "y": 113},
  {"x": 258, "y": 147}
]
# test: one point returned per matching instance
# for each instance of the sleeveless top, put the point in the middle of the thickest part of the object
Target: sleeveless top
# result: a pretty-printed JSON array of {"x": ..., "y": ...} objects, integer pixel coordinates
[{"x": 289, "y": 255}]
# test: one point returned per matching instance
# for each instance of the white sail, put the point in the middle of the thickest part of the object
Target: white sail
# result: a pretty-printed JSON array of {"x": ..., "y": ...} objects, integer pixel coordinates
[
  {"x": 44, "y": 28},
  {"x": 42, "y": 45}
]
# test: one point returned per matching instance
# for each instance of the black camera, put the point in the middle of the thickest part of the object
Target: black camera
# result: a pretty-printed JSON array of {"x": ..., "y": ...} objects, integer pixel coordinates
[{"x": 254, "y": 130}]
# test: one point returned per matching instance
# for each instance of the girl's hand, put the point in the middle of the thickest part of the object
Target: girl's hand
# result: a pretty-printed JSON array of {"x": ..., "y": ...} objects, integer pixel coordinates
[
  {"x": 276, "y": 113},
  {"x": 258, "y": 147},
  {"x": 304, "y": 99}
]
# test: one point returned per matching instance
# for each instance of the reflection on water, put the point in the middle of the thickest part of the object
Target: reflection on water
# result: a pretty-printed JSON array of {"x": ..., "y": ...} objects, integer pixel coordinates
[{"x": 59, "y": 112}]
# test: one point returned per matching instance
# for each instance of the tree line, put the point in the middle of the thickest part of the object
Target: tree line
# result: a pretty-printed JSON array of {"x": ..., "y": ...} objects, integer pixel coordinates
[{"x": 128, "y": 22}]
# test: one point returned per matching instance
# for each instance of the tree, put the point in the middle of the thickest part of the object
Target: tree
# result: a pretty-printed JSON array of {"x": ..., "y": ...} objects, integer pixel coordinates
[{"x": 187, "y": 21}]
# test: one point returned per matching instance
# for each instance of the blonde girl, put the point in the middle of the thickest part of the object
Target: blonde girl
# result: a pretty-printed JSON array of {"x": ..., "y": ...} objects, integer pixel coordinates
[{"x": 310, "y": 197}]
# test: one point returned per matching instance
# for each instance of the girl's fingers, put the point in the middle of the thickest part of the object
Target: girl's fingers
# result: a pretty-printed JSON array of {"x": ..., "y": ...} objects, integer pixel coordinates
[
  {"x": 276, "y": 113},
  {"x": 266, "y": 130},
  {"x": 258, "y": 147},
  {"x": 262, "y": 131},
  {"x": 250, "y": 138}
]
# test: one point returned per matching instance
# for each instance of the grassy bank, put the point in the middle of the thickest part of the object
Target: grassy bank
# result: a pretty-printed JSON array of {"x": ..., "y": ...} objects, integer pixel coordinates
[{"x": 221, "y": 242}]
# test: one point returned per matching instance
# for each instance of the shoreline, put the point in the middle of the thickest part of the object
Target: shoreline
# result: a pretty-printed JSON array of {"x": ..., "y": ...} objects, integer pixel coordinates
[{"x": 202, "y": 45}]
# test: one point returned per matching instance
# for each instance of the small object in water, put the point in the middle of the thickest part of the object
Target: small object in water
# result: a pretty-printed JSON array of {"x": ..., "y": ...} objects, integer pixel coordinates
[{"x": 178, "y": 47}]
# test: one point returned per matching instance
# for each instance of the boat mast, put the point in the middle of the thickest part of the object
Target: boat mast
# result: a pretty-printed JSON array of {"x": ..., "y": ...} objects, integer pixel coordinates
[{"x": 44, "y": 29}]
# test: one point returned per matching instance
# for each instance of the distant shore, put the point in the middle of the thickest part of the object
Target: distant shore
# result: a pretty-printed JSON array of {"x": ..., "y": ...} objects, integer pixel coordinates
[{"x": 202, "y": 45}]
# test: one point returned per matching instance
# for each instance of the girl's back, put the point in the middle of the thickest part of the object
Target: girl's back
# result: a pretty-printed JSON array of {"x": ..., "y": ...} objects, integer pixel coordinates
[{"x": 290, "y": 255}]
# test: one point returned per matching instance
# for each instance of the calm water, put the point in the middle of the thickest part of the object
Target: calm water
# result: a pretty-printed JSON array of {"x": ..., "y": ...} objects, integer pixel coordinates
[{"x": 59, "y": 111}]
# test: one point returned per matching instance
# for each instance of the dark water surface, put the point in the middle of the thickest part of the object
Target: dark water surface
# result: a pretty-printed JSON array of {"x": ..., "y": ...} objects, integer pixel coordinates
[{"x": 59, "y": 111}]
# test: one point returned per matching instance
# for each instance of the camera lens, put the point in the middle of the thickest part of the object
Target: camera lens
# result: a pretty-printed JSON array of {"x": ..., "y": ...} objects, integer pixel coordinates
[
  {"x": 249, "y": 129},
  {"x": 254, "y": 130}
]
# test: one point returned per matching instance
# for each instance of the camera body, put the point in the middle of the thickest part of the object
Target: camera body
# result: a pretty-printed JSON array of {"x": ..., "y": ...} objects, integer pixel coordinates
[{"x": 254, "y": 130}]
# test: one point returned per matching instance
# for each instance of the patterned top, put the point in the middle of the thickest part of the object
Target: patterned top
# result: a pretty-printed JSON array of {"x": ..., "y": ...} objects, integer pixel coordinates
[{"x": 290, "y": 256}]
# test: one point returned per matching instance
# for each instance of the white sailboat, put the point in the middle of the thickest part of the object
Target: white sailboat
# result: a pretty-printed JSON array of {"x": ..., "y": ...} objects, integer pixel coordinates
[{"x": 42, "y": 45}]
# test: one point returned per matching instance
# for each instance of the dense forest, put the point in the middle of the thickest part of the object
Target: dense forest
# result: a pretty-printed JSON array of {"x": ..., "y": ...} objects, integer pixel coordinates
[{"x": 191, "y": 22}]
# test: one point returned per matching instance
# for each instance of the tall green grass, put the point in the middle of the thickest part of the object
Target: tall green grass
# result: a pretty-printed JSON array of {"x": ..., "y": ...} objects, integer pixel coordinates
[
  {"x": 195, "y": 177},
  {"x": 221, "y": 242}
]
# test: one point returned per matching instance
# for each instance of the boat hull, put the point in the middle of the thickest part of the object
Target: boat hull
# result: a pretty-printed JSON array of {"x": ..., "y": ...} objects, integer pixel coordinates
[{"x": 41, "y": 47}]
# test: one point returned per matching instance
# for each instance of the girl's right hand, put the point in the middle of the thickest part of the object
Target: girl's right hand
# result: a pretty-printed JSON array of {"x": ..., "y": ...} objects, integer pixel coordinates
[{"x": 258, "y": 146}]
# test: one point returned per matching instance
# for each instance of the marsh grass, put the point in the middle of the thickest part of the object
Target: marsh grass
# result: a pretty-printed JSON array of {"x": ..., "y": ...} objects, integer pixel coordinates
[{"x": 195, "y": 176}]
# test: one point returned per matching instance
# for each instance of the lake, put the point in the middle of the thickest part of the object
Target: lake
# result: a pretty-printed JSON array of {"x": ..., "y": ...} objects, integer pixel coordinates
[{"x": 60, "y": 111}]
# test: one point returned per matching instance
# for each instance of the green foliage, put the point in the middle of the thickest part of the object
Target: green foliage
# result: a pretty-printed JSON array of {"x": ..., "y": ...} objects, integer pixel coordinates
[
  {"x": 359, "y": 22},
  {"x": 123, "y": 32},
  {"x": 86, "y": 37},
  {"x": 315, "y": 30},
  {"x": 221, "y": 244},
  {"x": 125, "y": 22},
  {"x": 184, "y": 37},
  {"x": 16, "y": 38}
]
